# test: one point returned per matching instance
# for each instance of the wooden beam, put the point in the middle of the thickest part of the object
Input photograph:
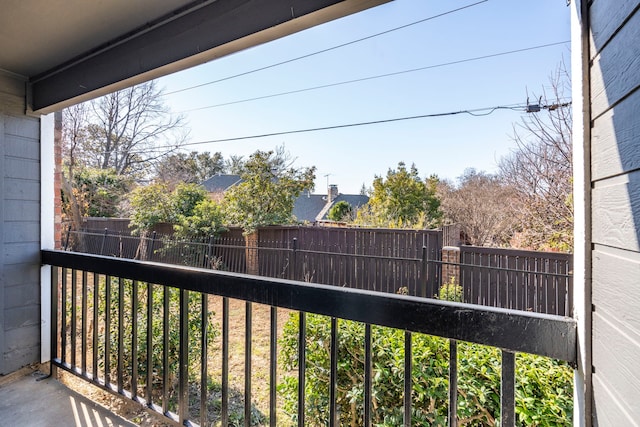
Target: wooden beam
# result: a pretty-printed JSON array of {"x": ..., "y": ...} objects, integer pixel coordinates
[{"x": 201, "y": 35}]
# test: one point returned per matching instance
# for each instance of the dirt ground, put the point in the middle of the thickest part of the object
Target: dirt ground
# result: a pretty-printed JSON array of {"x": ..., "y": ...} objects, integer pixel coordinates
[{"x": 260, "y": 361}]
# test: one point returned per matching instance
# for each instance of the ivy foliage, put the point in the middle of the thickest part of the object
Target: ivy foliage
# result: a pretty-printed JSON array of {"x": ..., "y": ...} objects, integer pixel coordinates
[{"x": 543, "y": 393}]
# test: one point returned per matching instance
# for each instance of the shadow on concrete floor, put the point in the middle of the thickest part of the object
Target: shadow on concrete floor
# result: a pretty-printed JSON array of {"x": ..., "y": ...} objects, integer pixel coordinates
[{"x": 29, "y": 399}]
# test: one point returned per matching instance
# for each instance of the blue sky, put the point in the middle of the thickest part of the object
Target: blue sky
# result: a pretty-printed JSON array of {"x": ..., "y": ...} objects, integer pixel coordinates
[{"x": 353, "y": 156}]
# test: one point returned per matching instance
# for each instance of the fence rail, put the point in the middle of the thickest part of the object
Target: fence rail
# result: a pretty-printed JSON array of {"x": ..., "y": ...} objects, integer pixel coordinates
[
  {"x": 136, "y": 329},
  {"x": 368, "y": 259}
]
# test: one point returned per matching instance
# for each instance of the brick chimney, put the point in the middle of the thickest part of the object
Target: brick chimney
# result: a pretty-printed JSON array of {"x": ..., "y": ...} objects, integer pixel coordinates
[{"x": 332, "y": 193}]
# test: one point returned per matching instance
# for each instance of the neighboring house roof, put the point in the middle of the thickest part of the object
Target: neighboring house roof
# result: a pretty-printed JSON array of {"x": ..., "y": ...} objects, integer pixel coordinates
[
  {"x": 306, "y": 208},
  {"x": 220, "y": 183},
  {"x": 314, "y": 207}
]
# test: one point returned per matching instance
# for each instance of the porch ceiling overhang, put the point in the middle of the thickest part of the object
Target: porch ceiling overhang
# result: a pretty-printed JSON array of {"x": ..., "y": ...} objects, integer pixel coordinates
[{"x": 73, "y": 50}]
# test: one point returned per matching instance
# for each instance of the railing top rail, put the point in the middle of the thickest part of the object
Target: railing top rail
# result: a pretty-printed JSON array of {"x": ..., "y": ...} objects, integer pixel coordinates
[{"x": 512, "y": 330}]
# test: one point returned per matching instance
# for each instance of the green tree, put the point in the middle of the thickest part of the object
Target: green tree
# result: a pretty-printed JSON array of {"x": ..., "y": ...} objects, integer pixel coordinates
[
  {"x": 150, "y": 205},
  {"x": 341, "y": 211},
  {"x": 184, "y": 199},
  {"x": 96, "y": 193},
  {"x": 266, "y": 194},
  {"x": 403, "y": 199},
  {"x": 206, "y": 219}
]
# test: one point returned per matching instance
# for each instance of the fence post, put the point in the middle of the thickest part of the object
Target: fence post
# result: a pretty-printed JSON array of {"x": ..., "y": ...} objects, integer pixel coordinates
[
  {"x": 451, "y": 265},
  {"x": 66, "y": 241},
  {"x": 151, "y": 246},
  {"x": 104, "y": 237},
  {"x": 293, "y": 265}
]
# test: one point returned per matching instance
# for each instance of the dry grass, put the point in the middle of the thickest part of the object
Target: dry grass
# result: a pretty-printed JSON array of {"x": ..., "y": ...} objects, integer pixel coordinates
[
  {"x": 260, "y": 348},
  {"x": 260, "y": 363}
]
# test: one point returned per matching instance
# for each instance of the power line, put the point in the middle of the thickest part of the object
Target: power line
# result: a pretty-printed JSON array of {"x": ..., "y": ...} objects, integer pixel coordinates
[
  {"x": 396, "y": 73},
  {"x": 476, "y": 112},
  {"x": 473, "y": 112},
  {"x": 324, "y": 50}
]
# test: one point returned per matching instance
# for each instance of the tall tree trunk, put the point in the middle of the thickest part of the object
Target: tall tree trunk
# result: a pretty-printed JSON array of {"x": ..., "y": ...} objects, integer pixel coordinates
[{"x": 74, "y": 209}]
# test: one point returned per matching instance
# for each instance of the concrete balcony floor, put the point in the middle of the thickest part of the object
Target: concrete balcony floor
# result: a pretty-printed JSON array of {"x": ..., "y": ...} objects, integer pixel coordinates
[{"x": 29, "y": 399}]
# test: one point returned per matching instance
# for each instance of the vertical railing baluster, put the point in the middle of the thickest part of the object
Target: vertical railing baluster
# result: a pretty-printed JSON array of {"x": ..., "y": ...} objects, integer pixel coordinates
[
  {"x": 149, "y": 361},
  {"x": 407, "y": 379},
  {"x": 183, "y": 358},
  {"x": 134, "y": 340},
  {"x": 120, "y": 334},
  {"x": 273, "y": 367},
  {"x": 224, "y": 416},
  {"x": 54, "y": 315},
  {"x": 74, "y": 317},
  {"x": 453, "y": 383},
  {"x": 507, "y": 390},
  {"x": 302, "y": 363},
  {"x": 96, "y": 319},
  {"x": 367, "y": 375},
  {"x": 333, "y": 382},
  {"x": 83, "y": 342},
  {"x": 204, "y": 356},
  {"x": 165, "y": 350},
  {"x": 247, "y": 364},
  {"x": 107, "y": 331}
]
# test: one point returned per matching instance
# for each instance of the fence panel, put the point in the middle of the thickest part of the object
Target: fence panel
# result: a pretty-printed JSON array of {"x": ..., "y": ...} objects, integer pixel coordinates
[
  {"x": 368, "y": 259},
  {"x": 522, "y": 280}
]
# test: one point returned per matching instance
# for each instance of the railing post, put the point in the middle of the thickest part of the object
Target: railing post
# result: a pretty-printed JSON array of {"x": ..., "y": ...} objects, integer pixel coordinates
[
  {"x": 453, "y": 383},
  {"x": 302, "y": 366},
  {"x": 183, "y": 357},
  {"x": 508, "y": 390},
  {"x": 54, "y": 317}
]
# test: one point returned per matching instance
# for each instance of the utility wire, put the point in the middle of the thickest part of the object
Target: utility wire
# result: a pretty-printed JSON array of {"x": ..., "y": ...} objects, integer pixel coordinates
[
  {"x": 477, "y": 112},
  {"x": 396, "y": 73},
  {"x": 324, "y": 50},
  {"x": 473, "y": 112}
]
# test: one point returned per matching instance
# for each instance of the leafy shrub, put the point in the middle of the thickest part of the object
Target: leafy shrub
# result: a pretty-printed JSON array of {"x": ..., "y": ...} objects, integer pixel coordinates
[
  {"x": 451, "y": 291},
  {"x": 139, "y": 355},
  {"x": 543, "y": 393}
]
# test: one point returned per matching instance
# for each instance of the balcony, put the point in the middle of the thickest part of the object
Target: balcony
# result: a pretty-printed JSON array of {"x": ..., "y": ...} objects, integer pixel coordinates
[{"x": 102, "y": 317}]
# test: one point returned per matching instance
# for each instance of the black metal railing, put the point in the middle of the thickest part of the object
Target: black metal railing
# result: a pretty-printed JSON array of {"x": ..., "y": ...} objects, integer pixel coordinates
[{"x": 143, "y": 330}]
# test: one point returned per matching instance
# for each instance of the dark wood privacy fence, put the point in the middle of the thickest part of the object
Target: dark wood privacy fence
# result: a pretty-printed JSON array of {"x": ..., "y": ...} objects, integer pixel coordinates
[
  {"x": 523, "y": 280},
  {"x": 412, "y": 262}
]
